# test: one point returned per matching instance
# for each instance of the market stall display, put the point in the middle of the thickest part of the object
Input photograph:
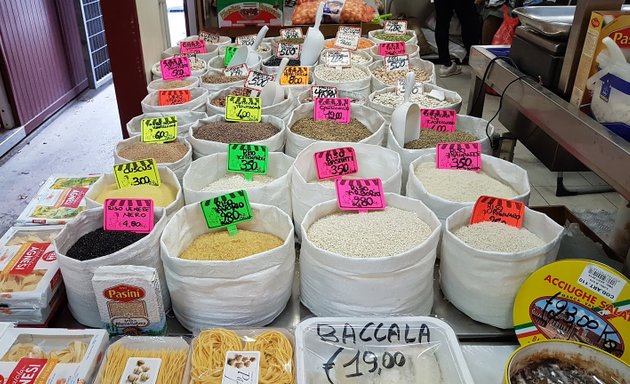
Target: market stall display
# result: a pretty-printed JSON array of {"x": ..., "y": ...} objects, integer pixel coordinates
[{"x": 355, "y": 79}]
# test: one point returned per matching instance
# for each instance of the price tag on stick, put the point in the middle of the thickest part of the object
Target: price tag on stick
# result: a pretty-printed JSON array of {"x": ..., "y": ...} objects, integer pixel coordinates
[
  {"x": 395, "y": 27},
  {"x": 247, "y": 40},
  {"x": 459, "y": 156},
  {"x": 360, "y": 194},
  {"x": 323, "y": 91},
  {"x": 441, "y": 120},
  {"x": 133, "y": 215},
  {"x": 488, "y": 208},
  {"x": 174, "y": 96},
  {"x": 236, "y": 71},
  {"x": 227, "y": 210},
  {"x": 333, "y": 109},
  {"x": 348, "y": 37},
  {"x": 338, "y": 58},
  {"x": 247, "y": 159},
  {"x": 294, "y": 76},
  {"x": 211, "y": 38},
  {"x": 159, "y": 129},
  {"x": 137, "y": 173},
  {"x": 257, "y": 80},
  {"x": 335, "y": 163},
  {"x": 417, "y": 88},
  {"x": 290, "y": 51},
  {"x": 396, "y": 63},
  {"x": 394, "y": 48},
  {"x": 175, "y": 68},
  {"x": 243, "y": 108},
  {"x": 291, "y": 33},
  {"x": 192, "y": 46}
]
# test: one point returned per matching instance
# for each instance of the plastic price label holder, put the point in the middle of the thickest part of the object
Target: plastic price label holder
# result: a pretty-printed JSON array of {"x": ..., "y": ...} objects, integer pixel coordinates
[
  {"x": 175, "y": 68},
  {"x": 247, "y": 40},
  {"x": 288, "y": 50},
  {"x": 243, "y": 108},
  {"x": 338, "y": 58},
  {"x": 361, "y": 195},
  {"x": 137, "y": 173},
  {"x": 291, "y": 33},
  {"x": 441, "y": 120},
  {"x": 394, "y": 48},
  {"x": 211, "y": 38},
  {"x": 227, "y": 210},
  {"x": 174, "y": 96},
  {"x": 465, "y": 156},
  {"x": 229, "y": 53},
  {"x": 400, "y": 87},
  {"x": 247, "y": 159},
  {"x": 236, "y": 71},
  {"x": 324, "y": 91},
  {"x": 159, "y": 129},
  {"x": 133, "y": 215},
  {"x": 348, "y": 37},
  {"x": 488, "y": 208},
  {"x": 395, "y": 27},
  {"x": 333, "y": 109},
  {"x": 337, "y": 162},
  {"x": 192, "y": 46},
  {"x": 396, "y": 63},
  {"x": 257, "y": 80},
  {"x": 294, "y": 76}
]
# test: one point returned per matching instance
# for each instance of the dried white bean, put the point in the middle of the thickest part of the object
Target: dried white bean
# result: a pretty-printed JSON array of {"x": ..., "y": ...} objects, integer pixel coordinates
[
  {"x": 331, "y": 74},
  {"x": 391, "y": 99},
  {"x": 392, "y": 77}
]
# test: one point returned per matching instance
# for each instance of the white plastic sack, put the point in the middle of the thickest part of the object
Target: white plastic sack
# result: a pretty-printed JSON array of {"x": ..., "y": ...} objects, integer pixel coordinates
[
  {"x": 334, "y": 285},
  {"x": 167, "y": 177},
  {"x": 264, "y": 49},
  {"x": 424, "y": 65},
  {"x": 499, "y": 169},
  {"x": 248, "y": 292},
  {"x": 207, "y": 169},
  {"x": 372, "y": 120},
  {"x": 204, "y": 147},
  {"x": 361, "y": 87},
  {"x": 281, "y": 110},
  {"x": 412, "y": 40},
  {"x": 198, "y": 98},
  {"x": 373, "y": 162},
  {"x": 185, "y": 119},
  {"x": 223, "y": 40},
  {"x": 473, "y": 125},
  {"x": 179, "y": 167},
  {"x": 77, "y": 275},
  {"x": 411, "y": 49},
  {"x": 156, "y": 85},
  {"x": 484, "y": 284},
  {"x": 211, "y": 51},
  {"x": 216, "y": 63}
]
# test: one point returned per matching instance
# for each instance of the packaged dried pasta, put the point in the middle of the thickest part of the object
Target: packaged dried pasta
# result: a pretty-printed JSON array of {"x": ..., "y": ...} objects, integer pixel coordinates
[
  {"x": 138, "y": 359},
  {"x": 34, "y": 316},
  {"x": 264, "y": 356}
]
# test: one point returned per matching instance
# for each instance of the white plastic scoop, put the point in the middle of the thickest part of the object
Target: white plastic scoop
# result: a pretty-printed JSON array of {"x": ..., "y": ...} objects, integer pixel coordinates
[
  {"x": 273, "y": 92},
  {"x": 406, "y": 117},
  {"x": 314, "y": 40},
  {"x": 247, "y": 54}
]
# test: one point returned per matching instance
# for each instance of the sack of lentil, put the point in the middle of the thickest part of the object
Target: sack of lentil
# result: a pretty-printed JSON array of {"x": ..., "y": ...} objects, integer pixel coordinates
[
  {"x": 377, "y": 36},
  {"x": 186, "y": 83},
  {"x": 307, "y": 191},
  {"x": 446, "y": 191},
  {"x": 484, "y": 283},
  {"x": 264, "y": 49},
  {"x": 216, "y": 64},
  {"x": 412, "y": 50},
  {"x": 358, "y": 57},
  {"x": 386, "y": 100},
  {"x": 356, "y": 99},
  {"x": 185, "y": 119},
  {"x": 80, "y": 256},
  {"x": 197, "y": 103},
  {"x": 215, "y": 82},
  {"x": 352, "y": 79},
  {"x": 425, "y": 72},
  {"x": 465, "y": 124},
  {"x": 198, "y": 68},
  {"x": 366, "y": 126},
  {"x": 372, "y": 264},
  {"x": 244, "y": 290},
  {"x": 176, "y": 155},
  {"x": 216, "y": 103},
  {"x": 211, "y": 52},
  {"x": 168, "y": 195},
  {"x": 207, "y": 178}
]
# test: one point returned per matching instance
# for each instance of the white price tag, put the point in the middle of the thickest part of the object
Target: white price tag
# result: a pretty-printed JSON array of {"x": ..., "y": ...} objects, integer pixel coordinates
[
  {"x": 246, "y": 40},
  {"x": 288, "y": 50},
  {"x": 338, "y": 58},
  {"x": 141, "y": 370},
  {"x": 348, "y": 37},
  {"x": 400, "y": 88},
  {"x": 396, "y": 63},
  {"x": 395, "y": 27},
  {"x": 601, "y": 281},
  {"x": 236, "y": 71},
  {"x": 291, "y": 33},
  {"x": 321, "y": 91},
  {"x": 211, "y": 38},
  {"x": 257, "y": 80},
  {"x": 241, "y": 367}
]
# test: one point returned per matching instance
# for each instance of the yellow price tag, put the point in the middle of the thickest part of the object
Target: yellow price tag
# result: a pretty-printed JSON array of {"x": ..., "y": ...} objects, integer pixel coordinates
[
  {"x": 137, "y": 173},
  {"x": 242, "y": 108},
  {"x": 159, "y": 130},
  {"x": 294, "y": 76}
]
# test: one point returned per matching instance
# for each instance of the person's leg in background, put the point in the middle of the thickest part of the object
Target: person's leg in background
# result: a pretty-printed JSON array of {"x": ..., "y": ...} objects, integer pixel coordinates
[
  {"x": 469, "y": 19},
  {"x": 443, "y": 15}
]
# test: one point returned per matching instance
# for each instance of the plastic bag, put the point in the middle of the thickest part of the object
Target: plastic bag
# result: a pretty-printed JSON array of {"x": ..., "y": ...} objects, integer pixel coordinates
[
  {"x": 198, "y": 98},
  {"x": 184, "y": 120},
  {"x": 506, "y": 31}
]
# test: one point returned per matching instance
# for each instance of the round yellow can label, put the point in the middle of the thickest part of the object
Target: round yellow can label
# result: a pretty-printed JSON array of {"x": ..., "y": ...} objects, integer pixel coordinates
[{"x": 580, "y": 300}]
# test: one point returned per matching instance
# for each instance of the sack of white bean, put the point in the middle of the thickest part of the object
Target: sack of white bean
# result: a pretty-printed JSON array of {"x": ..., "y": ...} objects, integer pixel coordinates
[
  {"x": 281, "y": 110},
  {"x": 445, "y": 191},
  {"x": 307, "y": 191},
  {"x": 352, "y": 79},
  {"x": 358, "y": 57},
  {"x": 207, "y": 177},
  {"x": 372, "y": 264},
  {"x": 185, "y": 119},
  {"x": 381, "y": 78},
  {"x": 484, "y": 283},
  {"x": 197, "y": 103}
]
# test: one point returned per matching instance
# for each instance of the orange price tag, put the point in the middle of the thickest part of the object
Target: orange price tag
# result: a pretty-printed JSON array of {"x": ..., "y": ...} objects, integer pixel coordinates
[
  {"x": 488, "y": 208},
  {"x": 174, "y": 97},
  {"x": 294, "y": 76}
]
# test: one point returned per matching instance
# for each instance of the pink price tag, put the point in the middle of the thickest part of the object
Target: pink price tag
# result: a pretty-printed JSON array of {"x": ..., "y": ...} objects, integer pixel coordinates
[
  {"x": 397, "y": 48},
  {"x": 360, "y": 194},
  {"x": 459, "y": 156},
  {"x": 133, "y": 215},
  {"x": 336, "y": 162},
  {"x": 441, "y": 120},
  {"x": 175, "y": 68},
  {"x": 334, "y": 109},
  {"x": 192, "y": 46}
]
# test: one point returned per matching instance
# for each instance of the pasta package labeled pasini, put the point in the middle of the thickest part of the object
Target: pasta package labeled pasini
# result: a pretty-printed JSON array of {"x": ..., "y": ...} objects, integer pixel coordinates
[{"x": 222, "y": 356}]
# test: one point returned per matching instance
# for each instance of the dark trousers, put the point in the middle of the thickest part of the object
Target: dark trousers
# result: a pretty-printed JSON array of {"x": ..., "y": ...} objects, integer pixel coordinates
[{"x": 467, "y": 15}]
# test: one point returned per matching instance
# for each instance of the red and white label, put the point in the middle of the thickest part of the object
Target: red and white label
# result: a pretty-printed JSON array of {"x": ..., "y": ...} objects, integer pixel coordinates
[
  {"x": 466, "y": 156},
  {"x": 124, "y": 293},
  {"x": 27, "y": 261},
  {"x": 27, "y": 371},
  {"x": 72, "y": 197}
]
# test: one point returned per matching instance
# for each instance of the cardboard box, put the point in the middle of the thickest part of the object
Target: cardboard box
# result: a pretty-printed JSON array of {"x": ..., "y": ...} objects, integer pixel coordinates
[
  {"x": 614, "y": 24},
  {"x": 237, "y": 13}
]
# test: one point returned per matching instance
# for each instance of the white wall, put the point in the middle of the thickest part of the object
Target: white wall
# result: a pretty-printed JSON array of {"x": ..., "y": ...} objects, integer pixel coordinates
[{"x": 153, "y": 28}]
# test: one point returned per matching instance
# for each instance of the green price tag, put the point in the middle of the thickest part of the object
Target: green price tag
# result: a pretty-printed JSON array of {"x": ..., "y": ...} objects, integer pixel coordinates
[
  {"x": 247, "y": 159},
  {"x": 159, "y": 130},
  {"x": 137, "y": 173},
  {"x": 229, "y": 53},
  {"x": 243, "y": 108},
  {"x": 226, "y": 211}
]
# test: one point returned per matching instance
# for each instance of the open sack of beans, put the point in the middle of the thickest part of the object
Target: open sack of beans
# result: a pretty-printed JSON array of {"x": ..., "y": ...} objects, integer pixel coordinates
[
  {"x": 217, "y": 81},
  {"x": 379, "y": 36},
  {"x": 212, "y": 50},
  {"x": 213, "y": 134},
  {"x": 220, "y": 280},
  {"x": 175, "y": 155},
  {"x": 378, "y": 263},
  {"x": 207, "y": 177},
  {"x": 307, "y": 190},
  {"x": 168, "y": 195},
  {"x": 358, "y": 57},
  {"x": 351, "y": 79},
  {"x": 198, "y": 98},
  {"x": 83, "y": 246},
  {"x": 482, "y": 266},
  {"x": 185, "y": 119},
  {"x": 445, "y": 191},
  {"x": 366, "y": 126},
  {"x": 185, "y": 83},
  {"x": 216, "y": 103},
  {"x": 382, "y": 78}
]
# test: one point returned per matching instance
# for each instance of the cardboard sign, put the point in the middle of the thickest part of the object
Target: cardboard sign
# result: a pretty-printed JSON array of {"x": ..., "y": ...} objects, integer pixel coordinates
[
  {"x": 290, "y": 51},
  {"x": 192, "y": 46},
  {"x": 242, "y": 367},
  {"x": 227, "y": 210},
  {"x": 348, "y": 37},
  {"x": 395, "y": 27},
  {"x": 175, "y": 68},
  {"x": 441, "y": 120},
  {"x": 294, "y": 76},
  {"x": 338, "y": 58},
  {"x": 257, "y": 80},
  {"x": 396, "y": 63},
  {"x": 247, "y": 159},
  {"x": 488, "y": 208},
  {"x": 333, "y": 109},
  {"x": 400, "y": 88},
  {"x": 236, "y": 71},
  {"x": 173, "y": 97},
  {"x": 243, "y": 108},
  {"x": 394, "y": 48},
  {"x": 229, "y": 54},
  {"x": 247, "y": 40},
  {"x": 360, "y": 194},
  {"x": 335, "y": 163},
  {"x": 459, "y": 156},
  {"x": 159, "y": 129},
  {"x": 291, "y": 33},
  {"x": 133, "y": 215},
  {"x": 208, "y": 37},
  {"x": 323, "y": 91},
  {"x": 137, "y": 173}
]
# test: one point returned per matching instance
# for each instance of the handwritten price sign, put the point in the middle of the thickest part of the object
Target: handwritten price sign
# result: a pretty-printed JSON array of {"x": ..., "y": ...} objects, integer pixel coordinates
[
  {"x": 396, "y": 63},
  {"x": 333, "y": 109},
  {"x": 247, "y": 159},
  {"x": 397, "y": 48},
  {"x": 137, "y": 173},
  {"x": 227, "y": 210},
  {"x": 323, "y": 91},
  {"x": 242, "y": 108},
  {"x": 294, "y": 76},
  {"x": 336, "y": 163},
  {"x": 175, "y": 68},
  {"x": 348, "y": 37},
  {"x": 133, "y": 215},
  {"x": 290, "y": 51},
  {"x": 174, "y": 97},
  {"x": 395, "y": 27},
  {"x": 236, "y": 71},
  {"x": 211, "y": 38},
  {"x": 400, "y": 87},
  {"x": 291, "y": 33},
  {"x": 360, "y": 194},
  {"x": 159, "y": 130},
  {"x": 488, "y": 208},
  {"x": 257, "y": 80},
  {"x": 247, "y": 40},
  {"x": 192, "y": 46},
  {"x": 459, "y": 156},
  {"x": 441, "y": 120},
  {"x": 338, "y": 58}
]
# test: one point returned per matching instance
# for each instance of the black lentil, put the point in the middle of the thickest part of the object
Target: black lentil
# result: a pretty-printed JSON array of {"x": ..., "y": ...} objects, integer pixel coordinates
[{"x": 101, "y": 243}]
